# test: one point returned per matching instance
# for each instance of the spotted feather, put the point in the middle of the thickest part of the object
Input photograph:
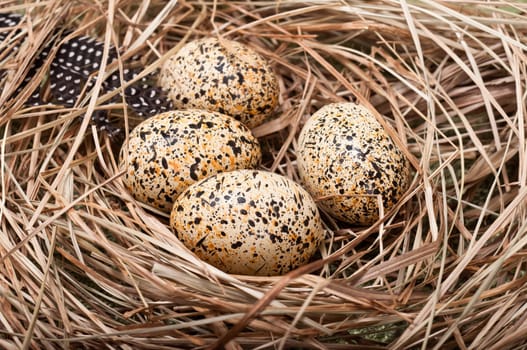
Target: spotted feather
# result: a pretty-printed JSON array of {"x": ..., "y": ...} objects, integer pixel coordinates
[
  {"x": 7, "y": 22},
  {"x": 73, "y": 69}
]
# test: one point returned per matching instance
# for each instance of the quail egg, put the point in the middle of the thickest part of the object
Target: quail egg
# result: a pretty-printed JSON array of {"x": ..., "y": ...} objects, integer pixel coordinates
[
  {"x": 248, "y": 222},
  {"x": 168, "y": 152},
  {"x": 224, "y": 76},
  {"x": 347, "y": 161}
]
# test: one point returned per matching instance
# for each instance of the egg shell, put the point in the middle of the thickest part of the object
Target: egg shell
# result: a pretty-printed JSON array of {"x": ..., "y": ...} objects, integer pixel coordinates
[
  {"x": 224, "y": 76},
  {"x": 248, "y": 222},
  {"x": 347, "y": 160},
  {"x": 167, "y": 153}
]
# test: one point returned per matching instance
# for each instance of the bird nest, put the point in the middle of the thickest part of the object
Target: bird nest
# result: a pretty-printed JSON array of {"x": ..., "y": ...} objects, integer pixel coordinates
[{"x": 84, "y": 265}]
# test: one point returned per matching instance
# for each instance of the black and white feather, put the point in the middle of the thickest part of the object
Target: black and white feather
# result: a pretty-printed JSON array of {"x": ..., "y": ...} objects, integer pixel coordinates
[
  {"x": 8, "y": 30},
  {"x": 8, "y": 20},
  {"x": 73, "y": 70}
]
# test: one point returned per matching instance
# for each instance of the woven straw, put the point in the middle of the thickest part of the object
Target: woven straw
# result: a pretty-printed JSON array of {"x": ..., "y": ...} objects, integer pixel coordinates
[{"x": 84, "y": 265}]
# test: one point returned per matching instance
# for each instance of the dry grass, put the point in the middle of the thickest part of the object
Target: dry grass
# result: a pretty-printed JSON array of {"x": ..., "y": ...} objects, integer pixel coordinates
[{"x": 84, "y": 265}]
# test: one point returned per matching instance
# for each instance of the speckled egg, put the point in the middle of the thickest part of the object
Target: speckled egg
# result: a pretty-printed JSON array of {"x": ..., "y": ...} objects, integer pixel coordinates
[
  {"x": 248, "y": 222},
  {"x": 167, "y": 153},
  {"x": 348, "y": 162},
  {"x": 224, "y": 76}
]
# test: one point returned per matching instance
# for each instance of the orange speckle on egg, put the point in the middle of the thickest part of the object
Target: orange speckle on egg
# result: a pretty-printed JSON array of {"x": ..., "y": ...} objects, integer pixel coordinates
[
  {"x": 223, "y": 76},
  {"x": 167, "y": 153},
  {"x": 260, "y": 216},
  {"x": 345, "y": 156}
]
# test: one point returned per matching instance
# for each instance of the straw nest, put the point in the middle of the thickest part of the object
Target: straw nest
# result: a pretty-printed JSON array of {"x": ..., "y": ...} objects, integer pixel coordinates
[{"x": 84, "y": 265}]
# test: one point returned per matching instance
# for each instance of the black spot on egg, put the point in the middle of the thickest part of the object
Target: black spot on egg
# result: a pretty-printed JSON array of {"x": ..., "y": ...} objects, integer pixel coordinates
[
  {"x": 231, "y": 79},
  {"x": 345, "y": 156},
  {"x": 236, "y": 245},
  {"x": 169, "y": 152},
  {"x": 251, "y": 242}
]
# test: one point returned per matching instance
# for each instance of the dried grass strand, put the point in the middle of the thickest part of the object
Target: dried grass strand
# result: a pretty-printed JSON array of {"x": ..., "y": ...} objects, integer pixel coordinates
[{"x": 84, "y": 264}]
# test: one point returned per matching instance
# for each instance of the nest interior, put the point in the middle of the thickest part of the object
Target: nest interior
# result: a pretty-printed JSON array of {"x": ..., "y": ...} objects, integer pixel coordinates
[{"x": 82, "y": 264}]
